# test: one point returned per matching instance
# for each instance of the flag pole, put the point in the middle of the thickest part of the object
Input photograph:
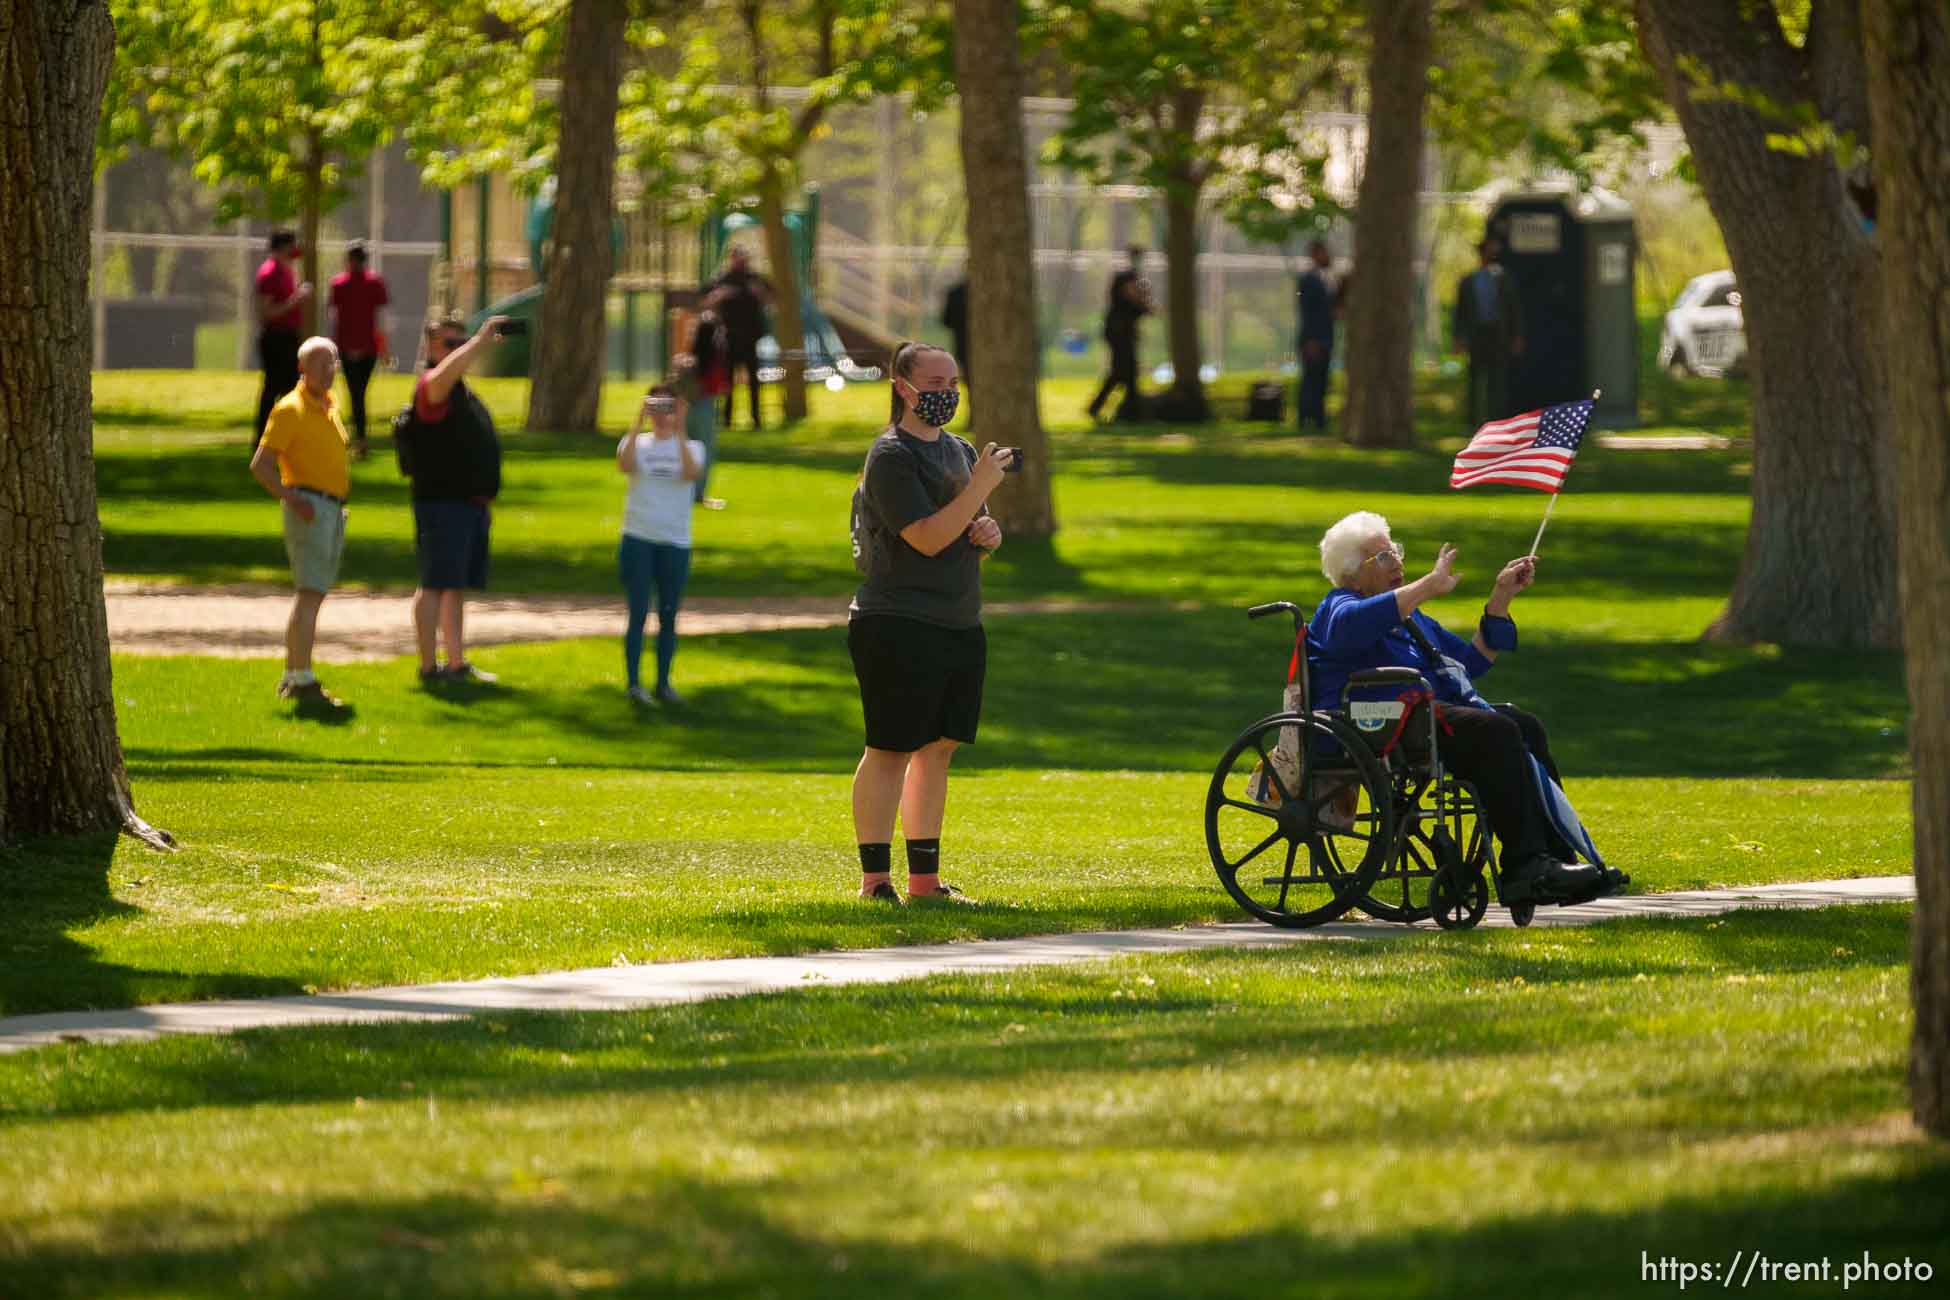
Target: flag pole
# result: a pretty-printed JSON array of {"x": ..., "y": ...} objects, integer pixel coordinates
[{"x": 1553, "y": 501}]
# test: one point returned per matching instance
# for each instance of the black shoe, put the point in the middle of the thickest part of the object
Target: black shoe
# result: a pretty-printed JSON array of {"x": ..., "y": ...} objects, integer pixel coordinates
[
  {"x": 945, "y": 895},
  {"x": 1543, "y": 879},
  {"x": 883, "y": 893},
  {"x": 314, "y": 701}
]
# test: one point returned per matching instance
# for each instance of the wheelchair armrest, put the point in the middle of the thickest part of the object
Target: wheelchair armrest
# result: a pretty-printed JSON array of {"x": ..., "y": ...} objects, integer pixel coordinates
[{"x": 1381, "y": 677}]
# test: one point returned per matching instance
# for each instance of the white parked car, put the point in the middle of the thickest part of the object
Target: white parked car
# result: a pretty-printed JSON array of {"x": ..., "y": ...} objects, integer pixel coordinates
[{"x": 1704, "y": 332}]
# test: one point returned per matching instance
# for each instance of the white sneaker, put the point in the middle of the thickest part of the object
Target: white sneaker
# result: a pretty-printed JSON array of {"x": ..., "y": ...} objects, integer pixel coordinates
[{"x": 638, "y": 695}]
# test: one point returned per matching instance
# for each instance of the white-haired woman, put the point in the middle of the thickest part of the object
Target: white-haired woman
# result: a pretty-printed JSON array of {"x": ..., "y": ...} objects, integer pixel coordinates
[{"x": 1373, "y": 619}]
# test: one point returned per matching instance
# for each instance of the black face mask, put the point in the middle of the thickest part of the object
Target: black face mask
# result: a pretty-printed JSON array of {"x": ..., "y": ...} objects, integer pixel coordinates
[{"x": 936, "y": 406}]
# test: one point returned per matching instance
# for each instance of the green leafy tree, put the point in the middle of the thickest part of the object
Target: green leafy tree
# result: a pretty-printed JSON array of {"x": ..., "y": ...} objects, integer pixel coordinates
[
  {"x": 1203, "y": 100},
  {"x": 272, "y": 102}
]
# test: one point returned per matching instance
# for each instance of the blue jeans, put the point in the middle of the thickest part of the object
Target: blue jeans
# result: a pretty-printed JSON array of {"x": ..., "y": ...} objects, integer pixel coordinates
[
  {"x": 701, "y": 423},
  {"x": 648, "y": 567}
]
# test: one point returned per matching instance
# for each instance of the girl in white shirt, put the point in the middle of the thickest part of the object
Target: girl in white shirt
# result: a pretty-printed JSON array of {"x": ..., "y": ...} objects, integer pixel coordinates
[{"x": 655, "y": 555}]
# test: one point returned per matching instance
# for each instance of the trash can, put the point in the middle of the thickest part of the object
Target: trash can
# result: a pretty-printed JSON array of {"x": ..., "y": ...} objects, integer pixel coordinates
[{"x": 1572, "y": 258}]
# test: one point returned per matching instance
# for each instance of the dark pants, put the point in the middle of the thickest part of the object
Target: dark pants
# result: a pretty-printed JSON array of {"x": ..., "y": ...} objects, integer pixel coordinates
[
  {"x": 1313, "y": 387},
  {"x": 1489, "y": 383},
  {"x": 1124, "y": 371},
  {"x": 742, "y": 352},
  {"x": 647, "y": 569},
  {"x": 1486, "y": 748},
  {"x": 277, "y": 352},
  {"x": 358, "y": 373}
]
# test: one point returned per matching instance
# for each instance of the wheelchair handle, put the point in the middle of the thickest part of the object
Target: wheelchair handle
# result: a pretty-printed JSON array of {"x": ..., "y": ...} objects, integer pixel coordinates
[{"x": 1261, "y": 611}]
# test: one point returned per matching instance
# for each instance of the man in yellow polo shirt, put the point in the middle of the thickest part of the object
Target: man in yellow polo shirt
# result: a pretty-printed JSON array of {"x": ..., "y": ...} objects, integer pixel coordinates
[{"x": 301, "y": 461}]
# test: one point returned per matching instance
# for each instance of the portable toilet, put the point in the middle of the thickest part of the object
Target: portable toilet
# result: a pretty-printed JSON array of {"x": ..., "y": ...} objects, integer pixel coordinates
[{"x": 1571, "y": 256}]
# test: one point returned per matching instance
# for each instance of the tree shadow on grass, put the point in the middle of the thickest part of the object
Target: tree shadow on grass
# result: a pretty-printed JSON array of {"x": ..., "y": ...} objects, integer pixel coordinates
[
  {"x": 561, "y": 1227},
  {"x": 50, "y": 887},
  {"x": 925, "y": 1034}
]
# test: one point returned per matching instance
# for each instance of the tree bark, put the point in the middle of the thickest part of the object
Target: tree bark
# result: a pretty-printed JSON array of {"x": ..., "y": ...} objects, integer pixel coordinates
[
  {"x": 570, "y": 351},
  {"x": 1181, "y": 290},
  {"x": 309, "y": 220},
  {"x": 1379, "y": 337},
  {"x": 1002, "y": 317},
  {"x": 61, "y": 768},
  {"x": 1816, "y": 569},
  {"x": 1908, "y": 48},
  {"x": 788, "y": 329}
]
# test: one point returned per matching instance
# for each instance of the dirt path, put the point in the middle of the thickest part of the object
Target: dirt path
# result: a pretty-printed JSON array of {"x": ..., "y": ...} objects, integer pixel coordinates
[{"x": 246, "y": 621}]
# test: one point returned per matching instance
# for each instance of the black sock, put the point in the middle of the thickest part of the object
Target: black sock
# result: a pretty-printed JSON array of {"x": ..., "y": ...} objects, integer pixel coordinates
[
  {"x": 923, "y": 857},
  {"x": 876, "y": 859}
]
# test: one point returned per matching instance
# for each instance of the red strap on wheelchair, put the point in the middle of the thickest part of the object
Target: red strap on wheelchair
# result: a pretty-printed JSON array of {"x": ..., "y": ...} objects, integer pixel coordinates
[
  {"x": 1299, "y": 648},
  {"x": 1409, "y": 699}
]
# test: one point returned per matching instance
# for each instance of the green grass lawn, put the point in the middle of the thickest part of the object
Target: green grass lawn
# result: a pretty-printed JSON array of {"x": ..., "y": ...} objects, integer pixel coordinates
[
  {"x": 1488, "y": 1114},
  {"x": 1494, "y": 1114},
  {"x": 546, "y": 824}
]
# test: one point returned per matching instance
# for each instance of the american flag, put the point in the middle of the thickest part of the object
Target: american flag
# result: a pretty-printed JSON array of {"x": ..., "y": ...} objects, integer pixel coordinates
[{"x": 1532, "y": 450}]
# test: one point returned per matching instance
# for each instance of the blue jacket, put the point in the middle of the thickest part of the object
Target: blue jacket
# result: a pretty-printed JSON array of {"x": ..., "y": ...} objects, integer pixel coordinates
[{"x": 1350, "y": 632}]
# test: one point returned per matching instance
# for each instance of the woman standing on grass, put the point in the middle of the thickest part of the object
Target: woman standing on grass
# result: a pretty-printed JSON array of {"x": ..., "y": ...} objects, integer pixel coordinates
[
  {"x": 920, "y": 532},
  {"x": 655, "y": 554}
]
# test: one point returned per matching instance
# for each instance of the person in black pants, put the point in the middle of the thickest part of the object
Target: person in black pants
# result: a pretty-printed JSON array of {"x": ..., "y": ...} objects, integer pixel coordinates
[
  {"x": 1316, "y": 336},
  {"x": 280, "y": 304},
  {"x": 358, "y": 301},
  {"x": 740, "y": 296},
  {"x": 1372, "y": 619},
  {"x": 1130, "y": 302},
  {"x": 1488, "y": 324},
  {"x": 954, "y": 318},
  {"x": 921, "y": 530}
]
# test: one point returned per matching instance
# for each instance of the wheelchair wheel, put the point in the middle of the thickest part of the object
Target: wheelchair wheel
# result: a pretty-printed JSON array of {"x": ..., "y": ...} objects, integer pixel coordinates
[
  {"x": 1521, "y": 914},
  {"x": 1459, "y": 898},
  {"x": 1448, "y": 829},
  {"x": 1297, "y": 838}
]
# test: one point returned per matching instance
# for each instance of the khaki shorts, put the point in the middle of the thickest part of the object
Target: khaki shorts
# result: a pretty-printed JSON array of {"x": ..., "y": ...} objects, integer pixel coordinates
[{"x": 316, "y": 547}]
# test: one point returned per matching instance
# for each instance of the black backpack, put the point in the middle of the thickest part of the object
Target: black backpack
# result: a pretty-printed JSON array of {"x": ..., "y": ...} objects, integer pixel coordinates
[{"x": 406, "y": 428}]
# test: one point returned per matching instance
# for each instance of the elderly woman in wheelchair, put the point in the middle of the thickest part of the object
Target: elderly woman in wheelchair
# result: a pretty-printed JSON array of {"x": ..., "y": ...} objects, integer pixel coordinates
[{"x": 1386, "y": 762}]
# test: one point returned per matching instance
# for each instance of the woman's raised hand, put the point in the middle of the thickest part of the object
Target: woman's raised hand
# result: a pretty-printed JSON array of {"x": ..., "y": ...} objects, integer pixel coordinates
[
  {"x": 1516, "y": 575},
  {"x": 990, "y": 466},
  {"x": 1442, "y": 578}
]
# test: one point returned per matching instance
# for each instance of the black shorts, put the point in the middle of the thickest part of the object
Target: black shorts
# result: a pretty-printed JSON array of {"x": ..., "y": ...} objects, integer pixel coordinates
[
  {"x": 451, "y": 538},
  {"x": 918, "y": 683}
]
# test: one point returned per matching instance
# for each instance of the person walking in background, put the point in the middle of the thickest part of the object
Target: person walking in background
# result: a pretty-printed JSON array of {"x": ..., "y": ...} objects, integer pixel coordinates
[
  {"x": 1488, "y": 324},
  {"x": 301, "y": 461},
  {"x": 1129, "y": 302},
  {"x": 1317, "y": 311},
  {"x": 280, "y": 302},
  {"x": 358, "y": 299},
  {"x": 704, "y": 375},
  {"x": 954, "y": 318},
  {"x": 921, "y": 530},
  {"x": 741, "y": 295},
  {"x": 456, "y": 459},
  {"x": 654, "y": 558}
]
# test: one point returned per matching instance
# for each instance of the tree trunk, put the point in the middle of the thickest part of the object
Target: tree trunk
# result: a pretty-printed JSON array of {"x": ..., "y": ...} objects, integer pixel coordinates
[
  {"x": 1908, "y": 47},
  {"x": 1816, "y": 569},
  {"x": 1380, "y": 318},
  {"x": 1002, "y": 317},
  {"x": 570, "y": 352},
  {"x": 61, "y": 766},
  {"x": 308, "y": 229},
  {"x": 788, "y": 330},
  {"x": 1181, "y": 309}
]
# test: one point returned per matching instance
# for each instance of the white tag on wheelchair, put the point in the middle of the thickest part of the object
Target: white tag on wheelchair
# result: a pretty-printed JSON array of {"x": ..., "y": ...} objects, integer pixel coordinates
[{"x": 1374, "y": 715}]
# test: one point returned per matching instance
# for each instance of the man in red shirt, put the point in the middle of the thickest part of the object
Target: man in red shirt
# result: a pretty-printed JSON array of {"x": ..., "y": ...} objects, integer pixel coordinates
[
  {"x": 357, "y": 299},
  {"x": 280, "y": 315}
]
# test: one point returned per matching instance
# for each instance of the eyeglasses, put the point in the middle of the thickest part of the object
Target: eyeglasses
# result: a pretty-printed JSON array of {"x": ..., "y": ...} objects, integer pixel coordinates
[{"x": 1392, "y": 550}]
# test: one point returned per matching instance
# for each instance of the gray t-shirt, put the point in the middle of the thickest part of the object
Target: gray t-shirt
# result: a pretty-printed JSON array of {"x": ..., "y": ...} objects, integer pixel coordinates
[{"x": 907, "y": 479}]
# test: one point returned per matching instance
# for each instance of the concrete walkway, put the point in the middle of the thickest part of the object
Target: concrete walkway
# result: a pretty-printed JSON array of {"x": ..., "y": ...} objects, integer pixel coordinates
[{"x": 623, "y": 988}]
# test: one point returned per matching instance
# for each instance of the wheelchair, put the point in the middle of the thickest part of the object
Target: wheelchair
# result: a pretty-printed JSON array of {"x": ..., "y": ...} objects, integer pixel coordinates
[{"x": 1316, "y": 812}]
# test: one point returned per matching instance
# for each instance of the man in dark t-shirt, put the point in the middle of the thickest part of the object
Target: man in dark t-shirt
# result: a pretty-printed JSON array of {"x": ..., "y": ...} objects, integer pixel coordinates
[
  {"x": 456, "y": 459},
  {"x": 1317, "y": 306},
  {"x": 740, "y": 296},
  {"x": 280, "y": 301}
]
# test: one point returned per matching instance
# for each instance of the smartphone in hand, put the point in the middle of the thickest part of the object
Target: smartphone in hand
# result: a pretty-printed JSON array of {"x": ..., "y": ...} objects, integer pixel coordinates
[{"x": 1015, "y": 460}]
